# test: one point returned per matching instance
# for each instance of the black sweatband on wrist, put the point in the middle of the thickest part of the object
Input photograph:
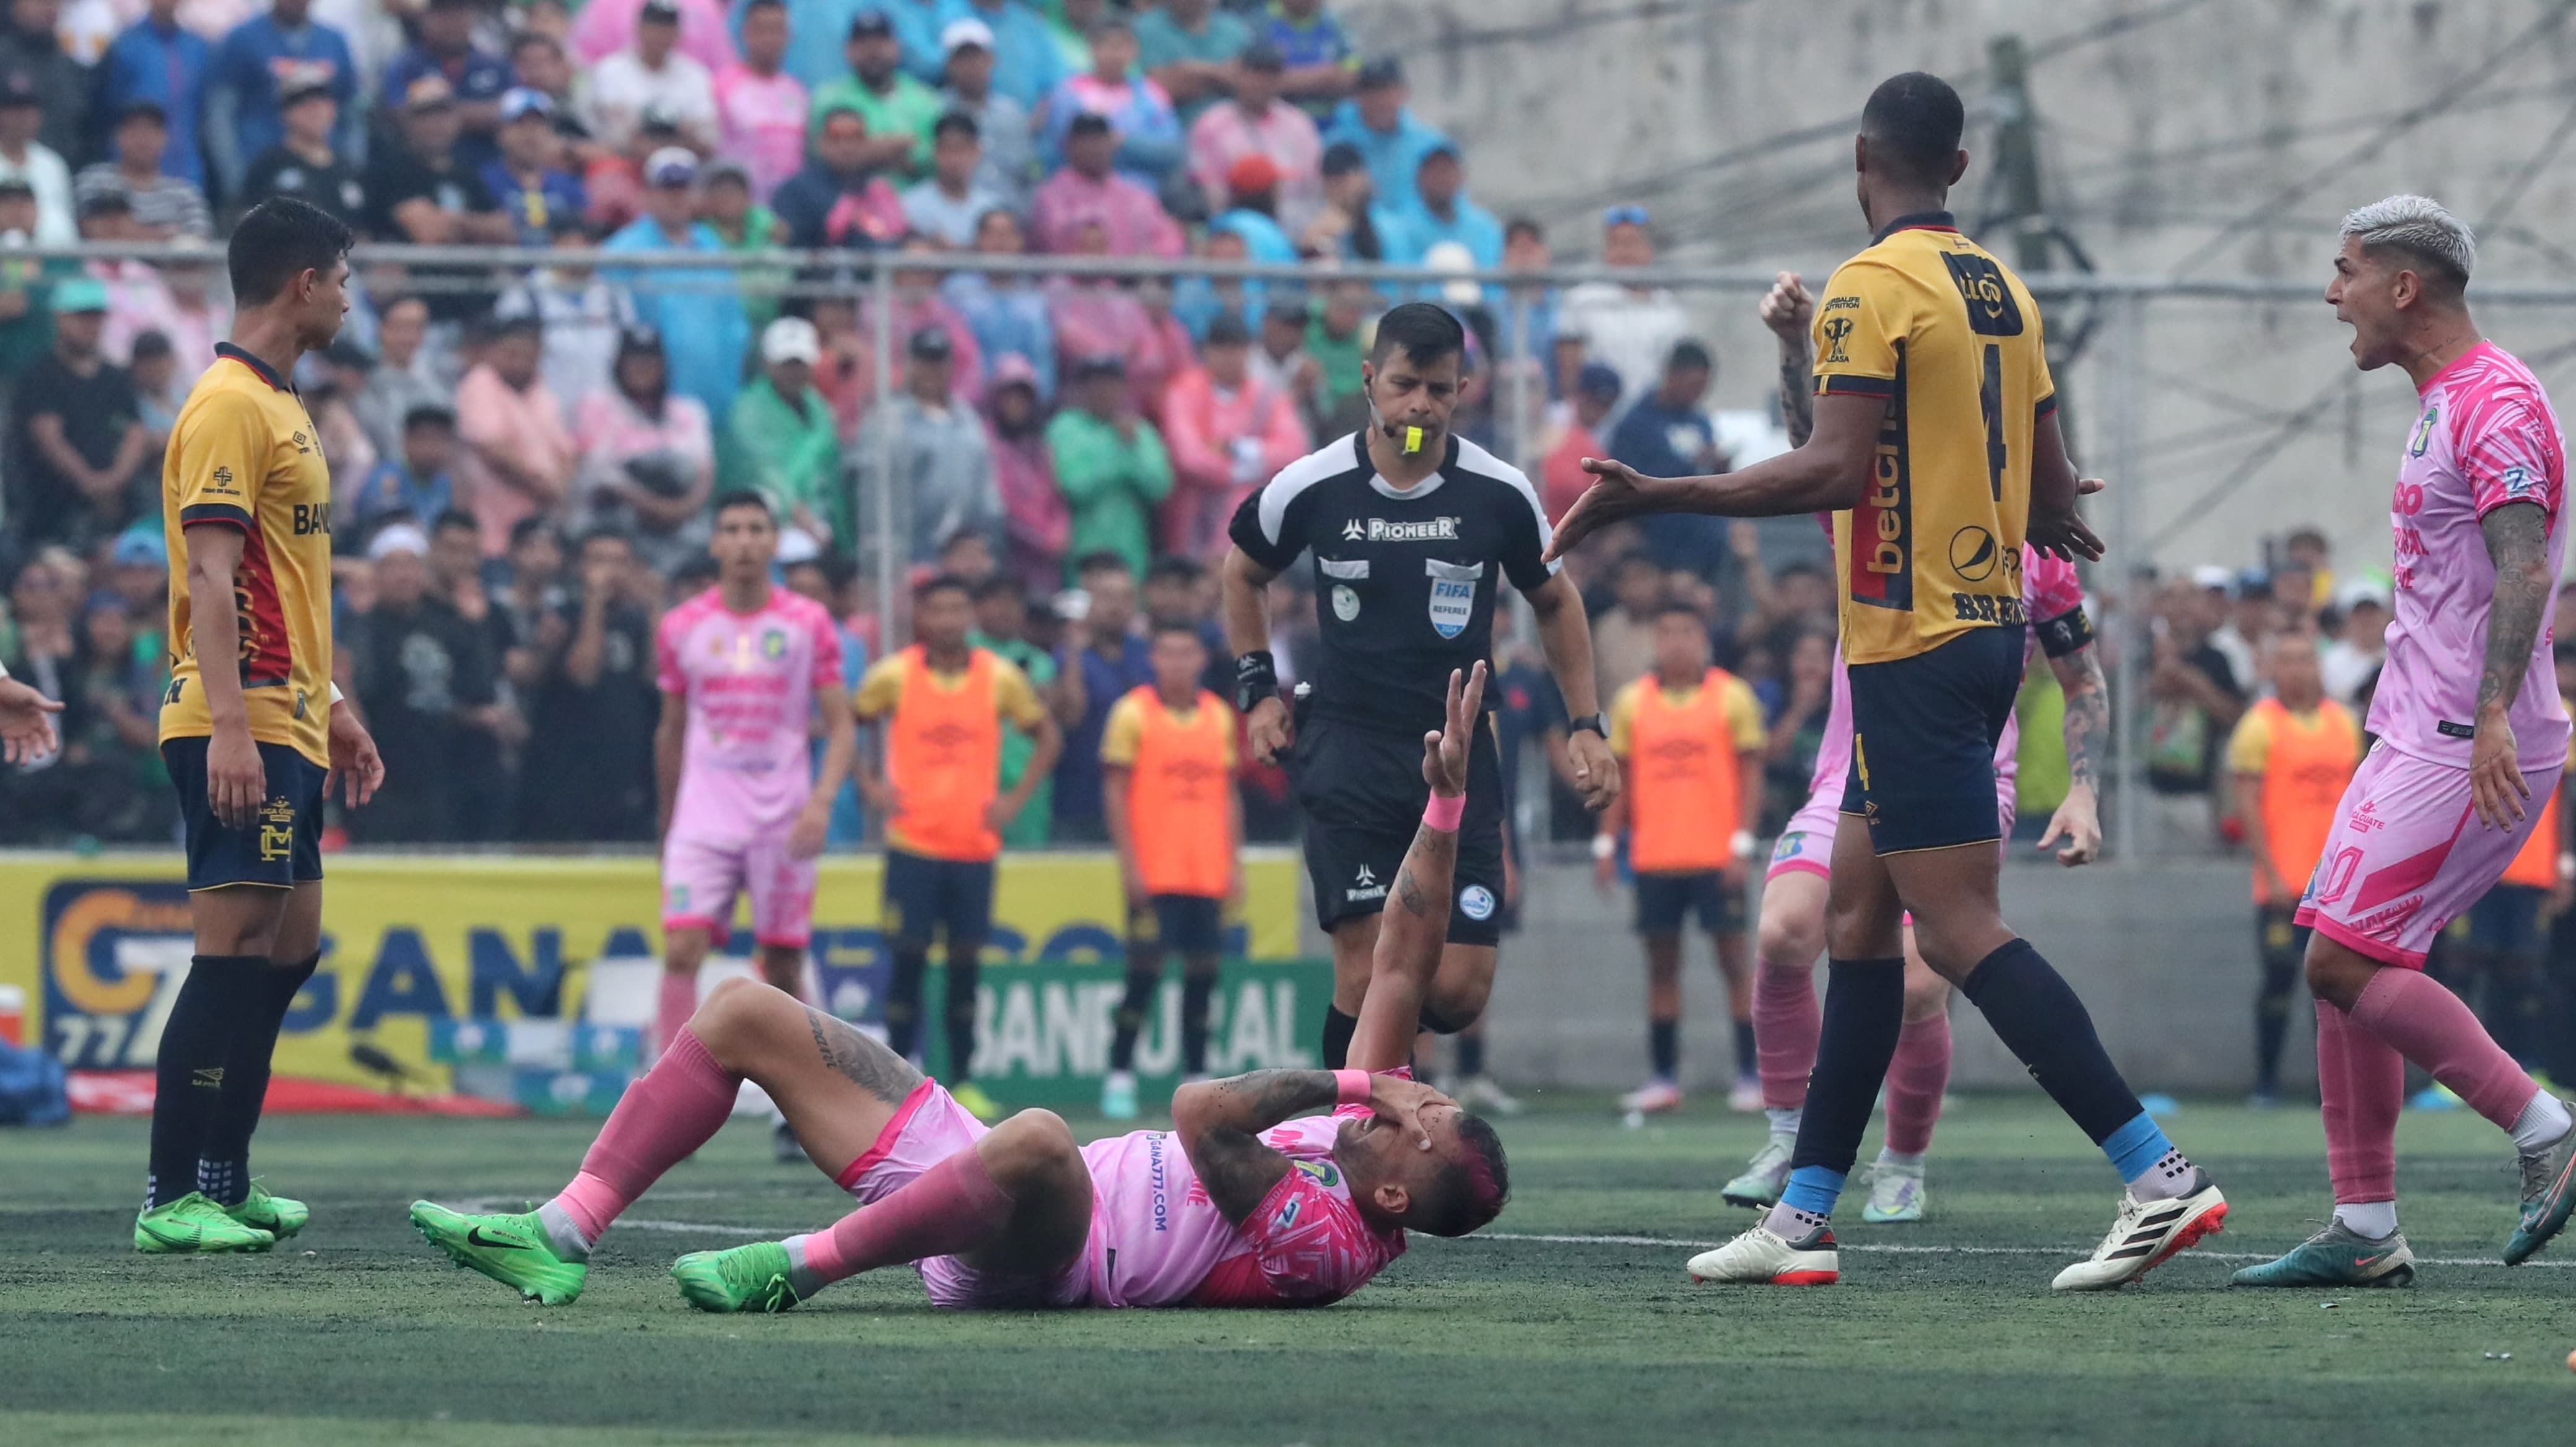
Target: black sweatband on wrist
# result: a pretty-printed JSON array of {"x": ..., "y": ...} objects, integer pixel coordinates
[{"x": 1256, "y": 677}]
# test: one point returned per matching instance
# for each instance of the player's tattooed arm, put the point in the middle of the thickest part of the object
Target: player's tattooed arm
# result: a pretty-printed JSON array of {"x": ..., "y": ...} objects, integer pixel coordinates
[
  {"x": 866, "y": 1063},
  {"x": 1435, "y": 850},
  {"x": 2088, "y": 715},
  {"x": 1219, "y": 1123},
  {"x": 1238, "y": 1171},
  {"x": 1797, "y": 389},
  {"x": 2517, "y": 536}
]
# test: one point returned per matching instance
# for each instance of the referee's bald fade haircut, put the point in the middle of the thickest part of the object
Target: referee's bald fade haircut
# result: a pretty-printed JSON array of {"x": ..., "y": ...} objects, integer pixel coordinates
[
  {"x": 1913, "y": 122},
  {"x": 279, "y": 240},
  {"x": 1425, "y": 332}
]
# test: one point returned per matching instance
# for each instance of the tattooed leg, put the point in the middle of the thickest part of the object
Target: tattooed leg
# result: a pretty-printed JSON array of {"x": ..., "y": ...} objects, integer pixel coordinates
[{"x": 837, "y": 1087}]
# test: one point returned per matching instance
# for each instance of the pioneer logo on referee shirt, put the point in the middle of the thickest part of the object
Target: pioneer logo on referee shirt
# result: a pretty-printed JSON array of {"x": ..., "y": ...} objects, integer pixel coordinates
[{"x": 1379, "y": 530}]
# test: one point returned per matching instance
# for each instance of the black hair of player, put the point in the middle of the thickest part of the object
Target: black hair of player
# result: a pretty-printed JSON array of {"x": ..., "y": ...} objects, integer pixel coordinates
[
  {"x": 453, "y": 521},
  {"x": 1425, "y": 332},
  {"x": 279, "y": 240},
  {"x": 1001, "y": 585},
  {"x": 1913, "y": 122},
  {"x": 735, "y": 497},
  {"x": 1101, "y": 561},
  {"x": 956, "y": 123},
  {"x": 943, "y": 583},
  {"x": 1465, "y": 1195}
]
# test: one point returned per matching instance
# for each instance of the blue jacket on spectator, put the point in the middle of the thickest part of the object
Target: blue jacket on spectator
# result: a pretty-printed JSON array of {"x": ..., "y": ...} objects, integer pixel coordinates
[
  {"x": 698, "y": 309},
  {"x": 1662, "y": 441},
  {"x": 917, "y": 24},
  {"x": 1393, "y": 156},
  {"x": 1468, "y": 224},
  {"x": 392, "y": 488},
  {"x": 558, "y": 193},
  {"x": 1263, "y": 239},
  {"x": 1008, "y": 316},
  {"x": 241, "y": 97},
  {"x": 169, "y": 70}
]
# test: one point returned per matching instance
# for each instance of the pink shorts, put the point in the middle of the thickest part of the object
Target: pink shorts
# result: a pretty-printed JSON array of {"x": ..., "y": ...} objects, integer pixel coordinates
[
  {"x": 1807, "y": 841},
  {"x": 2407, "y": 855},
  {"x": 929, "y": 1127},
  {"x": 700, "y": 879}
]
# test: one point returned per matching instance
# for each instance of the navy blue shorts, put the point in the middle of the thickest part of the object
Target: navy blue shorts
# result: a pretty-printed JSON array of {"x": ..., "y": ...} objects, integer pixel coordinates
[
  {"x": 1190, "y": 924},
  {"x": 2507, "y": 920},
  {"x": 1665, "y": 903},
  {"x": 1924, "y": 731},
  {"x": 282, "y": 847},
  {"x": 926, "y": 897}
]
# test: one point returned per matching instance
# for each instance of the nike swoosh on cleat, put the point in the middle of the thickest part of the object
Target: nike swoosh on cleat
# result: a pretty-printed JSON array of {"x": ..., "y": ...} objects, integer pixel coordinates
[{"x": 474, "y": 1237}]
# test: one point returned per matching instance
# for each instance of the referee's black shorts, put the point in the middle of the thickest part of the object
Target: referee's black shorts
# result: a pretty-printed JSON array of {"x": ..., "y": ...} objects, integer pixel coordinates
[
  {"x": 1361, "y": 791},
  {"x": 1924, "y": 731}
]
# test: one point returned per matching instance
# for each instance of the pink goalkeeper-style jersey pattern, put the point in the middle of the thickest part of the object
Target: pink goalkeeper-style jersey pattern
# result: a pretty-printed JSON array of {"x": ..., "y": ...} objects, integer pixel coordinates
[
  {"x": 1157, "y": 1240},
  {"x": 2484, "y": 436},
  {"x": 750, "y": 681}
]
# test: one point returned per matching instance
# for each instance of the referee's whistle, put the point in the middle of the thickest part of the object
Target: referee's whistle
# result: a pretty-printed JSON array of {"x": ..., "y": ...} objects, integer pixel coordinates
[{"x": 1412, "y": 440}]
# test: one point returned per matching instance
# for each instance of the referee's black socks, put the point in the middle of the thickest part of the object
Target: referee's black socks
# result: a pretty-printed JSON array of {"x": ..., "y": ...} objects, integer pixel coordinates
[
  {"x": 222, "y": 998},
  {"x": 1338, "y": 1028}
]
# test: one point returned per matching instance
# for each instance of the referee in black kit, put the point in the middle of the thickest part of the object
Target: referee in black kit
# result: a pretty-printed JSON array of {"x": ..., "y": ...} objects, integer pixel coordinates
[{"x": 1413, "y": 532}]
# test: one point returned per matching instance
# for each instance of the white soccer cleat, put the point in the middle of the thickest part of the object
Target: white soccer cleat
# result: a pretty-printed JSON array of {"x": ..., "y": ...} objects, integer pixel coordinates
[
  {"x": 1765, "y": 1176},
  {"x": 2146, "y": 1233},
  {"x": 1760, "y": 1257},
  {"x": 1655, "y": 1097},
  {"x": 1745, "y": 1098},
  {"x": 1895, "y": 1194}
]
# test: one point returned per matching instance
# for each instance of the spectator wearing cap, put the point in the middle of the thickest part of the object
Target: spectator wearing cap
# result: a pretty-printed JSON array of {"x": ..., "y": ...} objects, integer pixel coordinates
[
  {"x": 1090, "y": 192},
  {"x": 420, "y": 190},
  {"x": 1009, "y": 165},
  {"x": 1029, "y": 60},
  {"x": 943, "y": 463},
  {"x": 542, "y": 64},
  {"x": 1228, "y": 433},
  {"x": 1007, "y": 314},
  {"x": 476, "y": 77},
  {"x": 780, "y": 440},
  {"x": 1390, "y": 140},
  {"x": 416, "y": 481},
  {"x": 255, "y": 66},
  {"x": 25, "y": 158},
  {"x": 701, "y": 304},
  {"x": 1322, "y": 64},
  {"x": 899, "y": 109},
  {"x": 1035, "y": 523},
  {"x": 164, "y": 204},
  {"x": 1145, "y": 127},
  {"x": 30, "y": 42},
  {"x": 1255, "y": 122},
  {"x": 1633, "y": 328},
  {"x": 527, "y": 178},
  {"x": 648, "y": 460},
  {"x": 946, "y": 206},
  {"x": 2361, "y": 642},
  {"x": 1668, "y": 431},
  {"x": 838, "y": 198},
  {"x": 80, "y": 431},
  {"x": 1109, "y": 463},
  {"x": 1442, "y": 212},
  {"x": 304, "y": 163},
  {"x": 1191, "y": 49},
  {"x": 1252, "y": 210},
  {"x": 650, "y": 75},
  {"x": 519, "y": 458},
  {"x": 1561, "y": 475},
  {"x": 1353, "y": 225},
  {"x": 761, "y": 110},
  {"x": 159, "y": 60},
  {"x": 602, "y": 28},
  {"x": 582, "y": 311}
]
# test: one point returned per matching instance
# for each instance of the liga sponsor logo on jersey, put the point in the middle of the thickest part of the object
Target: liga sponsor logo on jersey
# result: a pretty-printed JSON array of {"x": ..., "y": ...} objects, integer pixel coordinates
[{"x": 1379, "y": 530}]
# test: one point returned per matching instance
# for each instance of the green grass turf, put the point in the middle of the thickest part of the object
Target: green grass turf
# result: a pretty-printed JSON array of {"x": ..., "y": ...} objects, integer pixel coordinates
[{"x": 359, "y": 1333}]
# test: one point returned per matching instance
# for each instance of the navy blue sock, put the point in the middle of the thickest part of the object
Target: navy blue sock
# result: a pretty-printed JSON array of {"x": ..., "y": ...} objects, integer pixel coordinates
[
  {"x": 2035, "y": 1013},
  {"x": 1664, "y": 1048},
  {"x": 1337, "y": 1037},
  {"x": 1863, "y": 1012},
  {"x": 1471, "y": 1056},
  {"x": 1744, "y": 1059}
]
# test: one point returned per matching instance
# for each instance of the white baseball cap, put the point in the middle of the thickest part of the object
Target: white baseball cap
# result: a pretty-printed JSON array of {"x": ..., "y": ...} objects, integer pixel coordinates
[
  {"x": 965, "y": 30},
  {"x": 791, "y": 339},
  {"x": 398, "y": 538}
]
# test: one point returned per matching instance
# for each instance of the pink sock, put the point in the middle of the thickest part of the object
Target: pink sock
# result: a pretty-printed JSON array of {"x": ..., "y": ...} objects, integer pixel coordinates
[
  {"x": 2434, "y": 1028},
  {"x": 1915, "y": 1080},
  {"x": 676, "y": 1002},
  {"x": 677, "y": 1107},
  {"x": 1786, "y": 1024},
  {"x": 953, "y": 1207},
  {"x": 2362, "y": 1082}
]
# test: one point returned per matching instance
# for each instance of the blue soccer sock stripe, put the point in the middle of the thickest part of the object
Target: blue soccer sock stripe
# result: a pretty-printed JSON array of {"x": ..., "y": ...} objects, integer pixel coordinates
[
  {"x": 2136, "y": 1147},
  {"x": 1813, "y": 1189}
]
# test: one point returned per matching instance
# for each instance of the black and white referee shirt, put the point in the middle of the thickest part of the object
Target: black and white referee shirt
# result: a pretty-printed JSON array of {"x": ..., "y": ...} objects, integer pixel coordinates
[{"x": 1404, "y": 581}]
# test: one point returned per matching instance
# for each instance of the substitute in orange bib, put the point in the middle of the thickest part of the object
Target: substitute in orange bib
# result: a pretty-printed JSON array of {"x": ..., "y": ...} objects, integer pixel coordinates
[
  {"x": 1167, "y": 760},
  {"x": 942, "y": 704},
  {"x": 2292, "y": 754},
  {"x": 251, "y": 727},
  {"x": 1689, "y": 739}
]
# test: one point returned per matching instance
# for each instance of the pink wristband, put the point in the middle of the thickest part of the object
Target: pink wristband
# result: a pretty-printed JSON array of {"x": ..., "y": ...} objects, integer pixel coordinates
[
  {"x": 1444, "y": 814},
  {"x": 1351, "y": 1087}
]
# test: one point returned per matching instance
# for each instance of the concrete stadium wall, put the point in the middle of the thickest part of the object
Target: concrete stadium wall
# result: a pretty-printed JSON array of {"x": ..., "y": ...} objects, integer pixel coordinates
[
  {"x": 2162, "y": 954},
  {"x": 2205, "y": 137}
]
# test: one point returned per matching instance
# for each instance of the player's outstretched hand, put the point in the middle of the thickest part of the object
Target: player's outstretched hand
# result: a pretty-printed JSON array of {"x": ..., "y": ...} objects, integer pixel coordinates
[
  {"x": 26, "y": 722},
  {"x": 1618, "y": 492},
  {"x": 1400, "y": 1103},
  {"x": 2495, "y": 774},
  {"x": 2079, "y": 822},
  {"x": 1268, "y": 730},
  {"x": 355, "y": 764},
  {"x": 1444, "y": 753},
  {"x": 1787, "y": 309},
  {"x": 2064, "y": 535}
]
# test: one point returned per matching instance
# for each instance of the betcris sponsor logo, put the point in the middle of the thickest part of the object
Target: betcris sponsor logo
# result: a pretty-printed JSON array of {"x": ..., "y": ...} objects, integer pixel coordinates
[{"x": 1882, "y": 551}]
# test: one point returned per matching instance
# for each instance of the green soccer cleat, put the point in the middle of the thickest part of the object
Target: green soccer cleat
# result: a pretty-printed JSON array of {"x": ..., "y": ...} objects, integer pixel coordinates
[
  {"x": 979, "y": 1105},
  {"x": 2337, "y": 1258},
  {"x": 512, "y": 1250},
  {"x": 195, "y": 1226},
  {"x": 745, "y": 1278},
  {"x": 276, "y": 1215},
  {"x": 2548, "y": 1197}
]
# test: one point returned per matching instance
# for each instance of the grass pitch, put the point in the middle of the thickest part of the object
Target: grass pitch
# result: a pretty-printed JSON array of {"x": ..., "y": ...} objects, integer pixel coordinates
[{"x": 1571, "y": 1322}]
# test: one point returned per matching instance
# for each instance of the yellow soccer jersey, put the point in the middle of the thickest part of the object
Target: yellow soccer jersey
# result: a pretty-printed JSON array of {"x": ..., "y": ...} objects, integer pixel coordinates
[
  {"x": 1927, "y": 320},
  {"x": 246, "y": 454}
]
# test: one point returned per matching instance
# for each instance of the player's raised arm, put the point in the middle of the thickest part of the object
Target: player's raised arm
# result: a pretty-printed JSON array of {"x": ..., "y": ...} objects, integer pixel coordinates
[
  {"x": 1827, "y": 473},
  {"x": 1416, "y": 923}
]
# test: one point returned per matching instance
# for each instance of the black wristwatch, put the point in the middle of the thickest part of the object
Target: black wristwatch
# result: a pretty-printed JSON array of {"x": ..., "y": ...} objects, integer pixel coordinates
[{"x": 1589, "y": 723}]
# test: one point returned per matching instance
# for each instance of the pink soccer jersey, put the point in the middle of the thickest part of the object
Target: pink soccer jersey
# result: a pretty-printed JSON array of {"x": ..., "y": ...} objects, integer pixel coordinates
[
  {"x": 750, "y": 681},
  {"x": 2485, "y": 437}
]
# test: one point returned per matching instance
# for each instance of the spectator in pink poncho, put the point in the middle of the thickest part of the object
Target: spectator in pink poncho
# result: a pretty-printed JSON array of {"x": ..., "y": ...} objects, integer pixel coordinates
[
  {"x": 1228, "y": 433},
  {"x": 1089, "y": 191},
  {"x": 605, "y": 27},
  {"x": 1035, "y": 524}
]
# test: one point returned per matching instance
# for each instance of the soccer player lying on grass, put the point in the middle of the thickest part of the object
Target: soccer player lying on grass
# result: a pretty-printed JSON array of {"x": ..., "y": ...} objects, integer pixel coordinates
[{"x": 1237, "y": 1205}]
